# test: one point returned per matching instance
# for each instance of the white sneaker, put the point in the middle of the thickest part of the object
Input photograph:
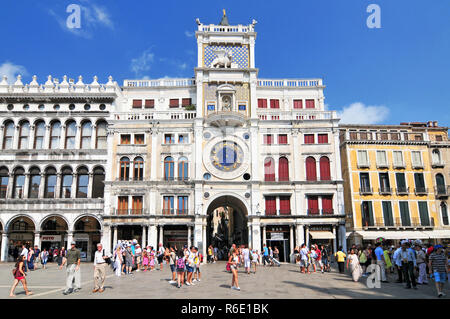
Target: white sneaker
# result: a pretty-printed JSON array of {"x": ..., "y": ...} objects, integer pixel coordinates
[
  {"x": 198, "y": 280},
  {"x": 192, "y": 284},
  {"x": 188, "y": 284},
  {"x": 172, "y": 282},
  {"x": 238, "y": 288},
  {"x": 194, "y": 280}
]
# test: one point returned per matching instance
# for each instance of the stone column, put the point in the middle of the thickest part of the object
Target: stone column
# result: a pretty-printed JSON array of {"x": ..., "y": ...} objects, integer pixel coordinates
[
  {"x": 161, "y": 235},
  {"x": 115, "y": 239},
  {"x": 93, "y": 136},
  {"x": 106, "y": 239},
  {"x": 343, "y": 239},
  {"x": 73, "y": 191},
  {"x": 152, "y": 236},
  {"x": 37, "y": 239},
  {"x": 26, "y": 185},
  {"x": 198, "y": 231},
  {"x": 58, "y": 185},
  {"x": 90, "y": 182},
  {"x": 204, "y": 243},
  {"x": 2, "y": 129},
  {"x": 4, "y": 247},
  {"x": 46, "y": 137},
  {"x": 144, "y": 235},
  {"x": 62, "y": 140},
  {"x": 9, "y": 189},
  {"x": 16, "y": 137},
  {"x": 291, "y": 241},
  {"x": 189, "y": 242},
  {"x": 78, "y": 137},
  {"x": 42, "y": 186},
  {"x": 299, "y": 235},
  {"x": 250, "y": 244},
  {"x": 264, "y": 237},
  {"x": 334, "y": 239},
  {"x": 69, "y": 238},
  {"x": 307, "y": 236}
]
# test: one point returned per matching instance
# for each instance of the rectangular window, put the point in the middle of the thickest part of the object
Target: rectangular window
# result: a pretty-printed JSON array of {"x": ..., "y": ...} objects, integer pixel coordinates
[
  {"x": 137, "y": 205},
  {"x": 381, "y": 159},
  {"x": 174, "y": 103},
  {"x": 438, "y": 138},
  {"x": 139, "y": 139},
  {"x": 383, "y": 136},
  {"x": 186, "y": 102},
  {"x": 398, "y": 158},
  {"x": 122, "y": 207},
  {"x": 367, "y": 214},
  {"x": 416, "y": 159},
  {"x": 183, "y": 139},
  {"x": 268, "y": 139},
  {"x": 274, "y": 104},
  {"x": 353, "y": 135},
  {"x": 285, "y": 205},
  {"x": 401, "y": 182},
  {"x": 384, "y": 182},
  {"x": 327, "y": 205},
  {"x": 149, "y": 104},
  {"x": 387, "y": 214},
  {"x": 282, "y": 139},
  {"x": 4, "y": 179},
  {"x": 323, "y": 138},
  {"x": 125, "y": 139},
  {"x": 420, "y": 182},
  {"x": 418, "y": 137},
  {"x": 310, "y": 104},
  {"x": 271, "y": 205},
  {"x": 309, "y": 138},
  {"x": 363, "y": 136},
  {"x": 137, "y": 104},
  {"x": 313, "y": 205},
  {"x": 168, "y": 205},
  {"x": 169, "y": 139},
  {"x": 262, "y": 103},
  {"x": 395, "y": 136},
  {"x": 242, "y": 107},
  {"x": 211, "y": 107},
  {"x": 404, "y": 214},
  {"x": 364, "y": 180},
  {"x": 298, "y": 104},
  {"x": 182, "y": 205},
  {"x": 363, "y": 160},
  {"x": 423, "y": 212}
]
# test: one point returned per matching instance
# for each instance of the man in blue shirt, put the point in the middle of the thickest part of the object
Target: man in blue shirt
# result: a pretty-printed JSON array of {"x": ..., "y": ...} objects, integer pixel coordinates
[
  {"x": 265, "y": 255},
  {"x": 408, "y": 261},
  {"x": 379, "y": 252}
]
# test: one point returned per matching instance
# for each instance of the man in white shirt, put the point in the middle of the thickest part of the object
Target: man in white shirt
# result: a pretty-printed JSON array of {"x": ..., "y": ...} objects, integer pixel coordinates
[
  {"x": 246, "y": 255},
  {"x": 138, "y": 252},
  {"x": 99, "y": 269},
  {"x": 25, "y": 253}
]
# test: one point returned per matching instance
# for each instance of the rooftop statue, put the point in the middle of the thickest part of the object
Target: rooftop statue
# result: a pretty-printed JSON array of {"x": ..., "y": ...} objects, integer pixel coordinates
[{"x": 224, "y": 20}]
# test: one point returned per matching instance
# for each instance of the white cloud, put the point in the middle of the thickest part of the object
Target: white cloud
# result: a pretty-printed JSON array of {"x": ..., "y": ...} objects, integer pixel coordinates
[
  {"x": 189, "y": 34},
  {"x": 143, "y": 62},
  {"x": 359, "y": 113},
  {"x": 11, "y": 70}
]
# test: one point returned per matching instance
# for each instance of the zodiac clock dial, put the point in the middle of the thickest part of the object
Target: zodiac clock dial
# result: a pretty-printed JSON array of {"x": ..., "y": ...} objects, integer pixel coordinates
[{"x": 226, "y": 156}]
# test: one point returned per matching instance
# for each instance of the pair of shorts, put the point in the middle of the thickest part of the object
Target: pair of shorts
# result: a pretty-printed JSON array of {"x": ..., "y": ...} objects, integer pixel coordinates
[
  {"x": 197, "y": 269},
  {"x": 189, "y": 269},
  {"x": 172, "y": 268},
  {"x": 160, "y": 258},
  {"x": 303, "y": 263},
  {"x": 325, "y": 261},
  {"x": 138, "y": 259},
  {"x": 246, "y": 263},
  {"x": 128, "y": 263},
  {"x": 440, "y": 277},
  {"x": 180, "y": 270}
]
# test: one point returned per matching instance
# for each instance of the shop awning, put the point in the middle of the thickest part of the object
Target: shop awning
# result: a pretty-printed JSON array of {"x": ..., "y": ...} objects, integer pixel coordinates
[
  {"x": 438, "y": 234},
  {"x": 322, "y": 235},
  {"x": 372, "y": 235}
]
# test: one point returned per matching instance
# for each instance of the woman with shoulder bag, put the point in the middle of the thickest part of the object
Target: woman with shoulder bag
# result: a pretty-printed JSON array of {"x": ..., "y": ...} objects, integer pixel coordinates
[{"x": 19, "y": 275}]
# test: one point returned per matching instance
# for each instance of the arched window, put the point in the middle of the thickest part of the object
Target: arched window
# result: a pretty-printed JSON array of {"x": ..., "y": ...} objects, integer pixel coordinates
[
  {"x": 183, "y": 166},
  {"x": 138, "y": 169},
  {"x": 325, "y": 169},
  {"x": 440, "y": 184},
  {"x": 71, "y": 132},
  {"x": 98, "y": 183},
  {"x": 8, "y": 135},
  {"x": 444, "y": 213},
  {"x": 4, "y": 179},
  {"x": 311, "y": 174},
  {"x": 101, "y": 135},
  {"x": 66, "y": 182},
  {"x": 50, "y": 182},
  {"x": 24, "y": 135},
  {"x": 86, "y": 133},
  {"x": 269, "y": 169},
  {"x": 124, "y": 173},
  {"x": 35, "y": 182},
  {"x": 39, "y": 134},
  {"x": 436, "y": 157},
  {"x": 19, "y": 183},
  {"x": 82, "y": 182},
  {"x": 168, "y": 168},
  {"x": 283, "y": 169},
  {"x": 55, "y": 135}
]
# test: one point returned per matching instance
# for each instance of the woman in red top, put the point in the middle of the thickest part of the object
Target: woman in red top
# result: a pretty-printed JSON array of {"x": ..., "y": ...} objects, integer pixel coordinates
[{"x": 19, "y": 275}]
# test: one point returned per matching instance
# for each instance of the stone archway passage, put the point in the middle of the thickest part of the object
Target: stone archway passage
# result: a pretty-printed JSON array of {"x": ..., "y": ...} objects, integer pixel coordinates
[
  {"x": 53, "y": 233},
  {"x": 87, "y": 234},
  {"x": 227, "y": 223},
  {"x": 20, "y": 231}
]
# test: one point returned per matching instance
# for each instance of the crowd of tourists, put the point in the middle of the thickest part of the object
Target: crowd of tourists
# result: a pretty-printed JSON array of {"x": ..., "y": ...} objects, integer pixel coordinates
[{"x": 313, "y": 259}]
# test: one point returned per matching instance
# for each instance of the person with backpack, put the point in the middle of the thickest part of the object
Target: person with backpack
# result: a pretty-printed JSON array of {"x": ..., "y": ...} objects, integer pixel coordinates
[
  {"x": 172, "y": 264},
  {"x": 181, "y": 265}
]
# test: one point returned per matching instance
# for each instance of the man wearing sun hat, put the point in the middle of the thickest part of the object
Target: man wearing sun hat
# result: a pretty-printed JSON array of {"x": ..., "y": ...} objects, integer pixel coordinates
[{"x": 438, "y": 265}]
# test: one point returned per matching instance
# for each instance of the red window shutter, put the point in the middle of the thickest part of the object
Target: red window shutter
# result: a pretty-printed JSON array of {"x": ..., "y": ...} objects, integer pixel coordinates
[
  {"x": 323, "y": 138},
  {"x": 262, "y": 103},
  {"x": 186, "y": 102},
  {"x": 324, "y": 169},
  {"x": 283, "y": 169},
  {"x": 311, "y": 169},
  {"x": 268, "y": 139},
  {"x": 309, "y": 138},
  {"x": 282, "y": 139},
  {"x": 149, "y": 103},
  {"x": 274, "y": 104},
  {"x": 174, "y": 103},
  {"x": 313, "y": 204},
  {"x": 137, "y": 104},
  {"x": 285, "y": 205},
  {"x": 298, "y": 104},
  {"x": 271, "y": 205},
  {"x": 310, "y": 104},
  {"x": 327, "y": 204},
  {"x": 269, "y": 170}
]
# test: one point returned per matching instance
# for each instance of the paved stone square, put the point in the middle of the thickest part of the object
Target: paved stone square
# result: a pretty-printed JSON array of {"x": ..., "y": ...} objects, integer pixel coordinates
[{"x": 284, "y": 282}]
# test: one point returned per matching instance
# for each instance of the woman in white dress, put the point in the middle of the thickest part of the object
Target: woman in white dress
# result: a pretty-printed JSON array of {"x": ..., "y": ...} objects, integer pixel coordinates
[
  {"x": 355, "y": 267},
  {"x": 118, "y": 261}
]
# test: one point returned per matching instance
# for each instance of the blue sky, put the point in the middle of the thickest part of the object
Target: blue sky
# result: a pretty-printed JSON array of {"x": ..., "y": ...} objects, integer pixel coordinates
[{"x": 398, "y": 73}]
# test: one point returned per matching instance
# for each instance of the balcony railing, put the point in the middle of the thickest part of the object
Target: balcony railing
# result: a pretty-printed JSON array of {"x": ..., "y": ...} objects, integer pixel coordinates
[
  {"x": 271, "y": 115},
  {"x": 366, "y": 190},
  {"x": 156, "y": 115},
  {"x": 421, "y": 191},
  {"x": 280, "y": 83},
  {"x": 175, "y": 212},
  {"x": 412, "y": 222},
  {"x": 385, "y": 190},
  {"x": 125, "y": 212},
  {"x": 328, "y": 211},
  {"x": 438, "y": 164},
  {"x": 402, "y": 190},
  {"x": 160, "y": 83},
  {"x": 442, "y": 191},
  {"x": 271, "y": 212}
]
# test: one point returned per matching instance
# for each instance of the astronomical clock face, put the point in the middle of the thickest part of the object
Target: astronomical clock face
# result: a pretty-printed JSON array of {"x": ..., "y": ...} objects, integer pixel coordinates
[{"x": 226, "y": 157}]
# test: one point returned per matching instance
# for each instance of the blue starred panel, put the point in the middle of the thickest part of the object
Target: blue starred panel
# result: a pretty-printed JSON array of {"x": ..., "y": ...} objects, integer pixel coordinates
[{"x": 240, "y": 54}]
